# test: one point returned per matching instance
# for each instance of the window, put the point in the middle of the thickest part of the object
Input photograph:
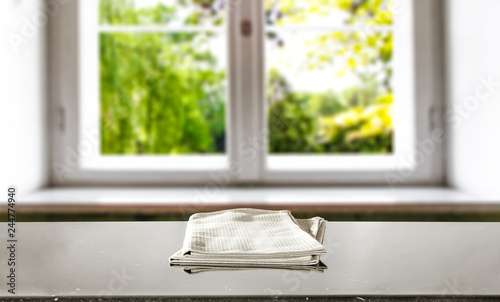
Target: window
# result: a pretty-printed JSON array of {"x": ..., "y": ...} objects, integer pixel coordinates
[
  {"x": 157, "y": 71},
  {"x": 267, "y": 91},
  {"x": 330, "y": 82}
]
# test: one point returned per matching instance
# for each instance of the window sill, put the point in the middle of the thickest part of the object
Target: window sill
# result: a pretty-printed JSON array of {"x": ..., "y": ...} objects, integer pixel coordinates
[
  {"x": 360, "y": 204},
  {"x": 255, "y": 197}
]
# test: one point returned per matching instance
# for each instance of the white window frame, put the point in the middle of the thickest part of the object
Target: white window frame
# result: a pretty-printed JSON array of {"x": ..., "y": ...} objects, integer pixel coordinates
[
  {"x": 283, "y": 166},
  {"x": 90, "y": 29},
  {"x": 247, "y": 161}
]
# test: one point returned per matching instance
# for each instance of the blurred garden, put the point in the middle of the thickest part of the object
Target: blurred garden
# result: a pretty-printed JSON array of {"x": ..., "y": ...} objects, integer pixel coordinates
[{"x": 166, "y": 92}]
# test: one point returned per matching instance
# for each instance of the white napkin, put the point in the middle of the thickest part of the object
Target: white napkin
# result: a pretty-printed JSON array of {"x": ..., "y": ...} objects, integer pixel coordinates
[{"x": 251, "y": 238}]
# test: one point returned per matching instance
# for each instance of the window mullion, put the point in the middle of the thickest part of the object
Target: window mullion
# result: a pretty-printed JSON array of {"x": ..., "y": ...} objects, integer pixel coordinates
[{"x": 247, "y": 140}]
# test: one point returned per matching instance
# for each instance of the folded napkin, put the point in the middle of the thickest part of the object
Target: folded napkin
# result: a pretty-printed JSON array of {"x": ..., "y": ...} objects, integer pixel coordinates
[
  {"x": 195, "y": 269},
  {"x": 251, "y": 238}
]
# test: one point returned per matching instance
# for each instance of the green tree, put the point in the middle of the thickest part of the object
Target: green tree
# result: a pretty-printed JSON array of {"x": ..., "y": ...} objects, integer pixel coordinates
[
  {"x": 359, "y": 119},
  {"x": 165, "y": 94},
  {"x": 160, "y": 93}
]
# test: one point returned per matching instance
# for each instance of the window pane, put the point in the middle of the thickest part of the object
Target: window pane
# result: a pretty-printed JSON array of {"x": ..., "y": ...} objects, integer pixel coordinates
[
  {"x": 162, "y": 93},
  {"x": 329, "y": 12},
  {"x": 162, "y": 12},
  {"x": 329, "y": 90}
]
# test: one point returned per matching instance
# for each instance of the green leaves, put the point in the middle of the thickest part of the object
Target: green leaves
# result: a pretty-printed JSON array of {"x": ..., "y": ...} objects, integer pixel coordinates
[
  {"x": 322, "y": 123},
  {"x": 171, "y": 95},
  {"x": 357, "y": 119},
  {"x": 165, "y": 93}
]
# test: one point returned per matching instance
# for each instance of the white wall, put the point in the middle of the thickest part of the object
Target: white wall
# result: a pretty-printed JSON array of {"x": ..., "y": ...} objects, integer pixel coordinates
[
  {"x": 473, "y": 48},
  {"x": 23, "y": 139},
  {"x": 473, "y": 53}
]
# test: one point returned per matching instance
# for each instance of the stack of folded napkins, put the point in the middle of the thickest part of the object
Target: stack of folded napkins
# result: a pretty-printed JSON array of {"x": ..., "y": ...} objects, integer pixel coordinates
[{"x": 249, "y": 238}]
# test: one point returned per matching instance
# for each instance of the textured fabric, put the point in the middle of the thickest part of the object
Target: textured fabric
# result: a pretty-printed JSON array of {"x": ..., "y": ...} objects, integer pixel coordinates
[
  {"x": 193, "y": 269},
  {"x": 251, "y": 238}
]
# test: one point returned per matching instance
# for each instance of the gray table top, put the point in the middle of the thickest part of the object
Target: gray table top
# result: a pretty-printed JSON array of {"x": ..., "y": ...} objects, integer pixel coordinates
[{"x": 364, "y": 259}]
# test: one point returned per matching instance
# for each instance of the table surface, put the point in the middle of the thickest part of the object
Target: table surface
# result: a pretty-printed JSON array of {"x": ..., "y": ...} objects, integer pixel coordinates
[{"x": 364, "y": 259}]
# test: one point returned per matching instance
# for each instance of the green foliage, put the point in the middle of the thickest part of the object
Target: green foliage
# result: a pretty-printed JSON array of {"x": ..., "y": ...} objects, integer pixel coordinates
[
  {"x": 296, "y": 135},
  {"x": 123, "y": 12},
  {"x": 356, "y": 120},
  {"x": 358, "y": 130},
  {"x": 194, "y": 12},
  {"x": 323, "y": 123},
  {"x": 160, "y": 93},
  {"x": 165, "y": 94},
  {"x": 361, "y": 12}
]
